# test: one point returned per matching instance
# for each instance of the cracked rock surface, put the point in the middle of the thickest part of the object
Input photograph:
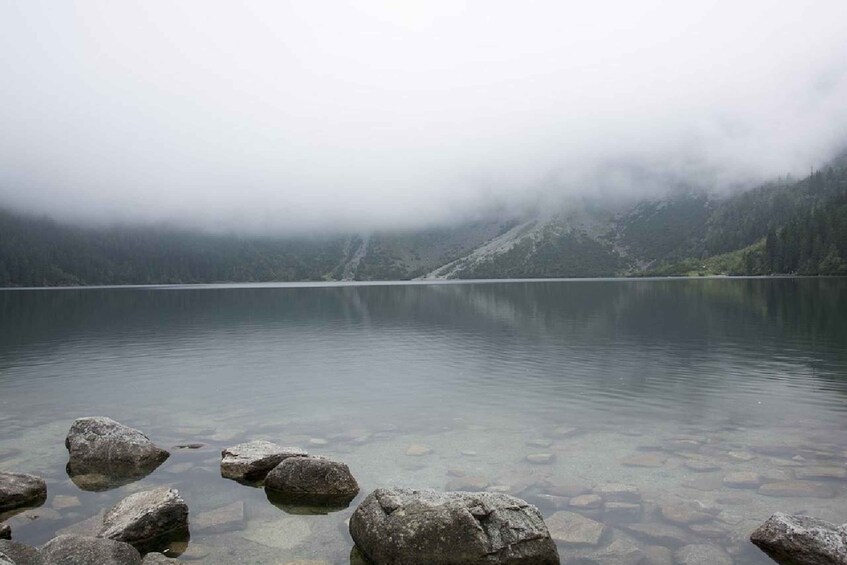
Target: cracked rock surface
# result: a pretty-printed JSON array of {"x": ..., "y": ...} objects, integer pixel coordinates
[
  {"x": 18, "y": 490},
  {"x": 146, "y": 516},
  {"x": 253, "y": 460},
  {"x": 394, "y": 526},
  {"x": 802, "y": 540}
]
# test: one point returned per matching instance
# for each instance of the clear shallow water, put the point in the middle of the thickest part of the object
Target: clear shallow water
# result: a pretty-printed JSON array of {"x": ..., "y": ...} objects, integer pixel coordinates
[{"x": 746, "y": 374}]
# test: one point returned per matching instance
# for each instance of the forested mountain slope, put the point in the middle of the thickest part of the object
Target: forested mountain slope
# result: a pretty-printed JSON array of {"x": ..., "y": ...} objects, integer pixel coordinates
[{"x": 784, "y": 227}]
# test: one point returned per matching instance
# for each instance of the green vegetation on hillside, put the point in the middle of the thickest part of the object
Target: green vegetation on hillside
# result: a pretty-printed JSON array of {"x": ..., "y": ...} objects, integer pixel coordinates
[
  {"x": 41, "y": 252},
  {"x": 785, "y": 227}
]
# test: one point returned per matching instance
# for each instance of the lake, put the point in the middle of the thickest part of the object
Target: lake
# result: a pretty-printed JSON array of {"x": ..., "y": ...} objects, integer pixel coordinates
[{"x": 545, "y": 389}]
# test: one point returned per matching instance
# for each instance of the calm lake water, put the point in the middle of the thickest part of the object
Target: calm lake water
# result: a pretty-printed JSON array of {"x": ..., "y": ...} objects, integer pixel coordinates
[{"x": 667, "y": 385}]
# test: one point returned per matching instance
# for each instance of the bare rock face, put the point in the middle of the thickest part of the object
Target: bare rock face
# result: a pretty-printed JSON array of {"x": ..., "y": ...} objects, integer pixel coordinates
[
  {"x": 81, "y": 550},
  {"x": 253, "y": 460},
  {"x": 20, "y": 491},
  {"x": 802, "y": 540},
  {"x": 19, "y": 553},
  {"x": 157, "y": 559},
  {"x": 147, "y": 519},
  {"x": 417, "y": 527},
  {"x": 106, "y": 454},
  {"x": 312, "y": 480}
]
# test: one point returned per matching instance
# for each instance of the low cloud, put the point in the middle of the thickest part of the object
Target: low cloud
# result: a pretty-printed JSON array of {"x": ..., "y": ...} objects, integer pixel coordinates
[{"x": 300, "y": 116}]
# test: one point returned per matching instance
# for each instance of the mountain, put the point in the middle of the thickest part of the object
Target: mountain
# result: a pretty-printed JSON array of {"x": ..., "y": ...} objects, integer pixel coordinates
[{"x": 782, "y": 227}]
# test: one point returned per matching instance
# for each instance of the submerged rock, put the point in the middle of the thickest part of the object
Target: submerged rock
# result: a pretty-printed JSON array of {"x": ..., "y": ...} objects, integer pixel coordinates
[
  {"x": 821, "y": 472},
  {"x": 468, "y": 483},
  {"x": 662, "y": 534},
  {"x": 701, "y": 465},
  {"x": 586, "y": 502},
  {"x": 702, "y": 554},
  {"x": 417, "y": 527},
  {"x": 684, "y": 512},
  {"x": 743, "y": 479},
  {"x": 147, "y": 518},
  {"x": 253, "y": 460},
  {"x": 618, "y": 512},
  {"x": 223, "y": 519},
  {"x": 18, "y": 490},
  {"x": 802, "y": 540},
  {"x": 645, "y": 460},
  {"x": 81, "y": 550},
  {"x": 619, "y": 552},
  {"x": 105, "y": 454},
  {"x": 417, "y": 450},
  {"x": 797, "y": 489},
  {"x": 312, "y": 480},
  {"x": 616, "y": 492},
  {"x": 570, "y": 528},
  {"x": 541, "y": 458}
]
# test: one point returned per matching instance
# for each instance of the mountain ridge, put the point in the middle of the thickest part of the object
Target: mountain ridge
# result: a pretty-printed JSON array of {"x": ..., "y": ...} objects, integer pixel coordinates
[{"x": 781, "y": 227}]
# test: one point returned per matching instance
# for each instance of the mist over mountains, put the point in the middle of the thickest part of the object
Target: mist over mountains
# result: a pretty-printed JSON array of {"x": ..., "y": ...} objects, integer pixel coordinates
[
  {"x": 782, "y": 227},
  {"x": 285, "y": 118}
]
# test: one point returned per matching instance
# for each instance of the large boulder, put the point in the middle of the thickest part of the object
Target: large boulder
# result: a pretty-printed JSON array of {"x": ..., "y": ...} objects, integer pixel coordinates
[
  {"x": 19, "y": 553},
  {"x": 82, "y": 550},
  {"x": 253, "y": 460},
  {"x": 417, "y": 527},
  {"x": 802, "y": 540},
  {"x": 147, "y": 520},
  {"x": 312, "y": 480},
  {"x": 18, "y": 490},
  {"x": 105, "y": 454}
]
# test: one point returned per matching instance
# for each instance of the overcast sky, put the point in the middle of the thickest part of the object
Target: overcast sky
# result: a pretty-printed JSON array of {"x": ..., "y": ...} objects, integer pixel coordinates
[{"x": 353, "y": 115}]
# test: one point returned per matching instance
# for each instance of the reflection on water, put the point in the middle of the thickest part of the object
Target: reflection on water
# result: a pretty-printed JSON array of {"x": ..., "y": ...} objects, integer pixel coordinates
[{"x": 545, "y": 389}]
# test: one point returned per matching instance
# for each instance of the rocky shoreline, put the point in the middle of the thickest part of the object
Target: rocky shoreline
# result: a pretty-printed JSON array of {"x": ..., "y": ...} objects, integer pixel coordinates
[{"x": 409, "y": 526}]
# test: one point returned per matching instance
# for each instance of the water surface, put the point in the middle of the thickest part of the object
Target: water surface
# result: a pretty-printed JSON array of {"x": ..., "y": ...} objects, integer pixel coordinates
[{"x": 742, "y": 374}]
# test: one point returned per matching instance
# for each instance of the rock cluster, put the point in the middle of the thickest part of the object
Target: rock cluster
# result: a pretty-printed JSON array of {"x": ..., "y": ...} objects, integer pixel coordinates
[{"x": 252, "y": 461}]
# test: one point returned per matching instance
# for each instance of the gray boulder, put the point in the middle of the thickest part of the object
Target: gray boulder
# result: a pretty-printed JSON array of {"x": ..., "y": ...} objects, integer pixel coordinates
[
  {"x": 253, "y": 460},
  {"x": 20, "y": 491},
  {"x": 802, "y": 540},
  {"x": 312, "y": 480},
  {"x": 147, "y": 519},
  {"x": 157, "y": 559},
  {"x": 19, "y": 553},
  {"x": 106, "y": 454},
  {"x": 82, "y": 550},
  {"x": 4, "y": 560},
  {"x": 5, "y": 531},
  {"x": 417, "y": 527}
]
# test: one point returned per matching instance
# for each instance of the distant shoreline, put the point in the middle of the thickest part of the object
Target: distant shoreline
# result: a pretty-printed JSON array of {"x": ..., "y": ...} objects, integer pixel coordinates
[{"x": 413, "y": 282}]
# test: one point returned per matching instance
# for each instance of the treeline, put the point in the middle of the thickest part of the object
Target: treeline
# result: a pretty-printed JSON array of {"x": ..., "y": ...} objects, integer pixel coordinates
[
  {"x": 785, "y": 228},
  {"x": 814, "y": 243},
  {"x": 41, "y": 252}
]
